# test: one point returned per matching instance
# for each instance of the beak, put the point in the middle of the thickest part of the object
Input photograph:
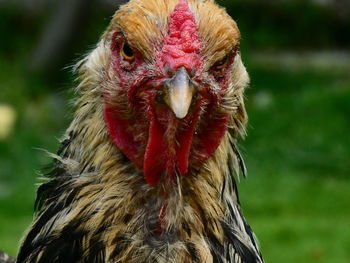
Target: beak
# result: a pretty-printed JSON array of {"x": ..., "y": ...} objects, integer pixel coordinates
[{"x": 179, "y": 93}]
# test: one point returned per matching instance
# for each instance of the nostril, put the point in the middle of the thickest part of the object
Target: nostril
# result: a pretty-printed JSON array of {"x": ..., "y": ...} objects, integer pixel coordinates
[
  {"x": 194, "y": 100},
  {"x": 168, "y": 70},
  {"x": 193, "y": 72},
  {"x": 160, "y": 97}
]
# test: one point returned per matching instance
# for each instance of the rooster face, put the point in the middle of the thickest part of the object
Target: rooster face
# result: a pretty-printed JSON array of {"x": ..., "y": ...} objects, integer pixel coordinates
[{"x": 169, "y": 84}]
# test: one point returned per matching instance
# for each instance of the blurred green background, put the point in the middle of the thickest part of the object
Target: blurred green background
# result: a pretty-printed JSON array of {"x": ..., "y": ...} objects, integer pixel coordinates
[{"x": 297, "y": 151}]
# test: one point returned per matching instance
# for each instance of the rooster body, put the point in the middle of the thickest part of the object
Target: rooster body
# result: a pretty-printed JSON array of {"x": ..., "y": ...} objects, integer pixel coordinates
[{"x": 145, "y": 170}]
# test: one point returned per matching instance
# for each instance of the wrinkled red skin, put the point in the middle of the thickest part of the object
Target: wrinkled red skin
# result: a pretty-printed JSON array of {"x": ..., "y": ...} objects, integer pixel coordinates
[
  {"x": 182, "y": 45},
  {"x": 151, "y": 136}
]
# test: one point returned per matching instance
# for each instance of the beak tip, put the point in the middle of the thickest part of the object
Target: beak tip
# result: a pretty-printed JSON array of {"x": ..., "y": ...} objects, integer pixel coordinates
[
  {"x": 180, "y": 108},
  {"x": 180, "y": 114}
]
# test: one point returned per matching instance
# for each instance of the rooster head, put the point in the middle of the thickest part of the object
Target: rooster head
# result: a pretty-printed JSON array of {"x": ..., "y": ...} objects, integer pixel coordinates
[{"x": 173, "y": 84}]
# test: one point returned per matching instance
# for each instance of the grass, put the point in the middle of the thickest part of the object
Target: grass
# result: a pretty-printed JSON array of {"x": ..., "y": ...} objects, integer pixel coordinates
[
  {"x": 41, "y": 120},
  {"x": 297, "y": 153}
]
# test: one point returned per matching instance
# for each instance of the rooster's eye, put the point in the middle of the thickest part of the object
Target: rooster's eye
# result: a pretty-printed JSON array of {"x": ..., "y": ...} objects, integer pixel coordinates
[
  {"x": 221, "y": 64},
  {"x": 127, "y": 52}
]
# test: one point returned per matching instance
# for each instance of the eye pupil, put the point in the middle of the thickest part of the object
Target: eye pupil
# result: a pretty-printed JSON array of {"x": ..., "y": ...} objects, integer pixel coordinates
[
  {"x": 127, "y": 52},
  {"x": 222, "y": 63}
]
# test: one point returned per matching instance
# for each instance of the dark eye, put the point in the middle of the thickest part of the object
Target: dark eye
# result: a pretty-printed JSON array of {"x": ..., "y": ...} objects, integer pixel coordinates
[
  {"x": 127, "y": 52},
  {"x": 221, "y": 64}
]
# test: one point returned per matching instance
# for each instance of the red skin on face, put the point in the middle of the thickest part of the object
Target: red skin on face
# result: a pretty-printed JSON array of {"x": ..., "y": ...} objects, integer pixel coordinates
[{"x": 151, "y": 136}]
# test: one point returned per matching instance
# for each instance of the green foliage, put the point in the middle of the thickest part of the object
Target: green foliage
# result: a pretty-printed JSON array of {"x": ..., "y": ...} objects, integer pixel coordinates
[
  {"x": 297, "y": 150},
  {"x": 292, "y": 25},
  {"x": 40, "y": 121}
]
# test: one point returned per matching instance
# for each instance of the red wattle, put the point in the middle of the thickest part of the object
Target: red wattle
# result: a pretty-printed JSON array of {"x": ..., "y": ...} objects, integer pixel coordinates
[
  {"x": 210, "y": 139},
  {"x": 154, "y": 159},
  {"x": 117, "y": 128},
  {"x": 184, "y": 146}
]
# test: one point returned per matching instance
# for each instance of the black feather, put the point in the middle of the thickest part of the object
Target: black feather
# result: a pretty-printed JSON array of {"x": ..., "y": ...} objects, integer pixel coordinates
[
  {"x": 122, "y": 242},
  {"x": 240, "y": 159},
  {"x": 216, "y": 248},
  {"x": 245, "y": 253},
  {"x": 192, "y": 250}
]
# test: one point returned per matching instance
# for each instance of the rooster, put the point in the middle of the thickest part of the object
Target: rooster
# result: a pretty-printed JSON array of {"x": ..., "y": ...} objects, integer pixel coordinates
[{"x": 145, "y": 172}]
